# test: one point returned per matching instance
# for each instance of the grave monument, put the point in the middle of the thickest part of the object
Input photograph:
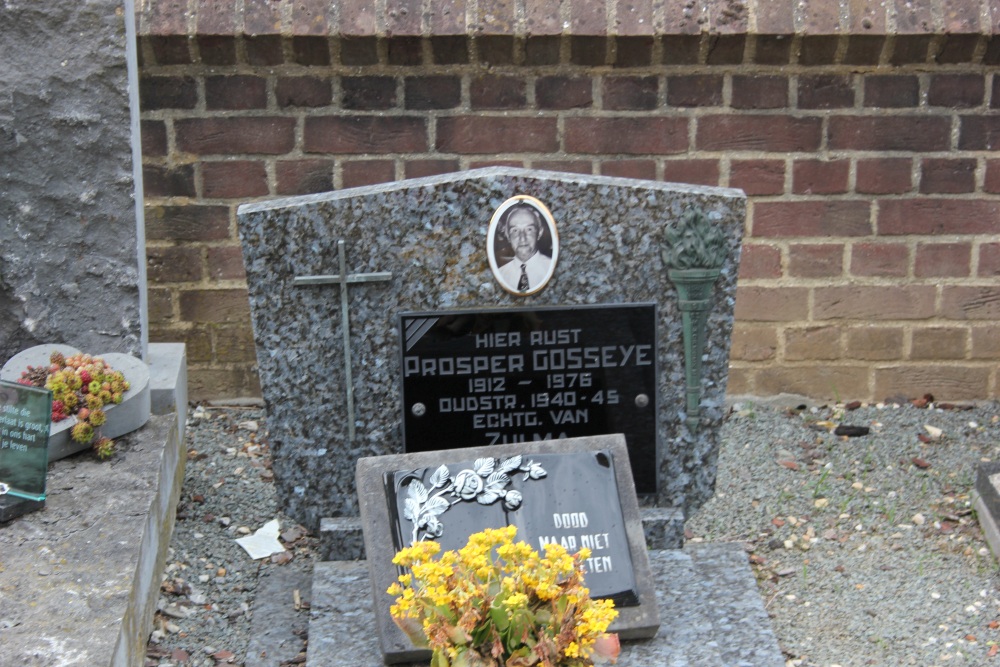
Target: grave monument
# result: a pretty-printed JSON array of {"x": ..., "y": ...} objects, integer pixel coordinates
[{"x": 338, "y": 280}]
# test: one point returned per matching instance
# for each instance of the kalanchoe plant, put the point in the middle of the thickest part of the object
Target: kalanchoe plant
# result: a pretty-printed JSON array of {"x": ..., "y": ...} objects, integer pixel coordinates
[
  {"x": 497, "y": 603},
  {"x": 82, "y": 386}
]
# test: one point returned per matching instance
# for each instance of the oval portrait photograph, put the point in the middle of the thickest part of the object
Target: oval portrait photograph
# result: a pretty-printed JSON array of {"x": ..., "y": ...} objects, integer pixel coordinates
[{"x": 523, "y": 245}]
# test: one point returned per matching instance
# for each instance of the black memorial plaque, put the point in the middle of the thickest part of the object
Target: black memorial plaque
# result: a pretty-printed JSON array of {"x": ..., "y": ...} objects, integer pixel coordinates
[
  {"x": 571, "y": 499},
  {"x": 486, "y": 377}
]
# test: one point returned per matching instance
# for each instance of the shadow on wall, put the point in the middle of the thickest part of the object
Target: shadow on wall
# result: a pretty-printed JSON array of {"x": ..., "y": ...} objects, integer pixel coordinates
[{"x": 13, "y": 337}]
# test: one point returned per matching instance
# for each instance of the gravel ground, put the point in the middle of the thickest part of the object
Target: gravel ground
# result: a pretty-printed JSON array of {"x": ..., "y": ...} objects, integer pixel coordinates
[{"x": 865, "y": 548}]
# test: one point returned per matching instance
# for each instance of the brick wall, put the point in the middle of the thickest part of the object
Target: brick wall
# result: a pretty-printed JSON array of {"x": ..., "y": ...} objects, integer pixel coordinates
[{"x": 865, "y": 141}]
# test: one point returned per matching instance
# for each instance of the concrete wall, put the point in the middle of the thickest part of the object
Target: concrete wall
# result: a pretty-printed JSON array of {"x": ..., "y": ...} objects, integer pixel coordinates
[
  {"x": 864, "y": 134},
  {"x": 68, "y": 250}
]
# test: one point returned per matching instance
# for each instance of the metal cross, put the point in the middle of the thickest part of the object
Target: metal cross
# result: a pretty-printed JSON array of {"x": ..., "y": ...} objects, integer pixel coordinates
[{"x": 342, "y": 279}]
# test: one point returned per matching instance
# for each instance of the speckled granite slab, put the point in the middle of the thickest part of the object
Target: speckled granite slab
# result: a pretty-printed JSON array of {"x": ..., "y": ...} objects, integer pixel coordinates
[
  {"x": 431, "y": 235},
  {"x": 712, "y": 614}
]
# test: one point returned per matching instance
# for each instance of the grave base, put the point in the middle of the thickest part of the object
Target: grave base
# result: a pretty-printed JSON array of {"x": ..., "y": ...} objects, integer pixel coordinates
[
  {"x": 986, "y": 502},
  {"x": 711, "y": 609},
  {"x": 11, "y": 507}
]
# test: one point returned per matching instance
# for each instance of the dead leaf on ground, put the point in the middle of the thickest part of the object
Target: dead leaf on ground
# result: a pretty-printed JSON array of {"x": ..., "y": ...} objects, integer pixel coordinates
[{"x": 920, "y": 463}]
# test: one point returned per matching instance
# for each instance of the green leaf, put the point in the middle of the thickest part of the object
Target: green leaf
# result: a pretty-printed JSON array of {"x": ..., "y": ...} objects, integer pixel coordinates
[{"x": 500, "y": 618}]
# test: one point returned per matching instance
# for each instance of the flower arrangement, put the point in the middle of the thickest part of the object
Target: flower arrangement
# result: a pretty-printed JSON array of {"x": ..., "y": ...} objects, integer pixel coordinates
[
  {"x": 82, "y": 386},
  {"x": 497, "y": 603}
]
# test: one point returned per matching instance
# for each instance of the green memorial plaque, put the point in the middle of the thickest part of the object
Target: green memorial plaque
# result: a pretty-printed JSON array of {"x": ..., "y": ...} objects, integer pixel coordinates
[{"x": 25, "y": 413}]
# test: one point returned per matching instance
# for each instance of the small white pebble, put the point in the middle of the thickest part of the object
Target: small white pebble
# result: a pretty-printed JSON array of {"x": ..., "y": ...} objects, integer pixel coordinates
[{"x": 936, "y": 596}]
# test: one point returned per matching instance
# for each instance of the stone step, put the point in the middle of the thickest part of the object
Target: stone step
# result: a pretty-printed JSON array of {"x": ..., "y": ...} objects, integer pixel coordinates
[
  {"x": 711, "y": 611},
  {"x": 341, "y": 538}
]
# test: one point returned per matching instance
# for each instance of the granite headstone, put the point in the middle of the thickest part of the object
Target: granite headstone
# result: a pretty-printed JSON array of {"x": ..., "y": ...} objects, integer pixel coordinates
[
  {"x": 420, "y": 245},
  {"x": 576, "y": 492}
]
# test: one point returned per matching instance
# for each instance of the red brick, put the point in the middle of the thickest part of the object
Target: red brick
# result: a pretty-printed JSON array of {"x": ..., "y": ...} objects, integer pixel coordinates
[
  {"x": 771, "y": 304},
  {"x": 681, "y": 49},
  {"x": 570, "y": 166},
  {"x": 161, "y": 181},
  {"x": 910, "y": 49},
  {"x": 233, "y": 179},
  {"x": 683, "y": 19},
  {"x": 633, "y": 51},
  {"x": 946, "y": 175},
  {"x": 812, "y": 343},
  {"x": 357, "y": 19},
  {"x": 880, "y": 260},
  {"x": 225, "y": 263},
  {"x": 820, "y": 381},
  {"x": 995, "y": 95},
  {"x": 902, "y": 302},
  {"x": 811, "y": 218},
  {"x": 187, "y": 223},
  {"x": 892, "y": 91},
  {"x": 956, "y": 91},
  {"x": 235, "y": 135},
  {"x": 160, "y": 305},
  {"x": 991, "y": 183},
  {"x": 365, "y": 134},
  {"x": 263, "y": 50},
  {"x": 634, "y": 17},
  {"x": 174, "y": 264},
  {"x": 367, "y": 172},
  {"x": 759, "y": 92},
  {"x": 588, "y": 17},
  {"x": 818, "y": 49},
  {"x": 432, "y": 92},
  {"x": 890, "y": 133},
  {"x": 495, "y": 50},
  {"x": 368, "y": 93},
  {"x": 167, "y": 92},
  {"x": 701, "y": 172},
  {"x": 864, "y": 49},
  {"x": 301, "y": 177},
  {"x": 630, "y": 136},
  {"x": 780, "y": 134},
  {"x": 171, "y": 49},
  {"x": 154, "y": 138},
  {"x": 985, "y": 342},
  {"x": 947, "y": 382},
  {"x": 449, "y": 49},
  {"x": 216, "y": 49},
  {"x": 957, "y": 49},
  {"x": 989, "y": 260},
  {"x": 629, "y": 168},
  {"x": 419, "y": 168},
  {"x": 725, "y": 49},
  {"x": 942, "y": 260},
  {"x": 970, "y": 303},
  {"x": 881, "y": 176},
  {"x": 563, "y": 92},
  {"x": 164, "y": 18},
  {"x": 635, "y": 93},
  {"x": 496, "y": 134},
  {"x": 873, "y": 343},
  {"x": 753, "y": 343},
  {"x": 261, "y": 17},
  {"x": 235, "y": 92},
  {"x": 979, "y": 133},
  {"x": 758, "y": 261},
  {"x": 497, "y": 92},
  {"x": 823, "y": 260},
  {"x": 772, "y": 49},
  {"x": 311, "y": 51},
  {"x": 405, "y": 51},
  {"x": 588, "y": 51},
  {"x": 825, "y": 91},
  {"x": 938, "y": 216},
  {"x": 216, "y": 18},
  {"x": 820, "y": 177},
  {"x": 197, "y": 342},
  {"x": 447, "y": 19},
  {"x": 696, "y": 90},
  {"x": 936, "y": 343},
  {"x": 220, "y": 383},
  {"x": 758, "y": 177},
  {"x": 542, "y": 50},
  {"x": 234, "y": 344},
  {"x": 302, "y": 91},
  {"x": 402, "y": 17},
  {"x": 358, "y": 51},
  {"x": 214, "y": 305}
]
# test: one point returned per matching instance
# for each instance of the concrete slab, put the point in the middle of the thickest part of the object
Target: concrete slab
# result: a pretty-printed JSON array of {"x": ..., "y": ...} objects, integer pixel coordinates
[
  {"x": 168, "y": 381},
  {"x": 278, "y": 629},
  {"x": 713, "y": 614},
  {"x": 79, "y": 579}
]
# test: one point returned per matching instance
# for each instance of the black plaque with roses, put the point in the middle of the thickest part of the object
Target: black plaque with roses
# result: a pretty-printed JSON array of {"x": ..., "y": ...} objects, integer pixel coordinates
[{"x": 571, "y": 499}]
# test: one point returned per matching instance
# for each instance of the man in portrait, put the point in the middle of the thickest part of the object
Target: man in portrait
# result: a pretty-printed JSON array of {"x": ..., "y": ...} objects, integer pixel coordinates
[{"x": 524, "y": 227}]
